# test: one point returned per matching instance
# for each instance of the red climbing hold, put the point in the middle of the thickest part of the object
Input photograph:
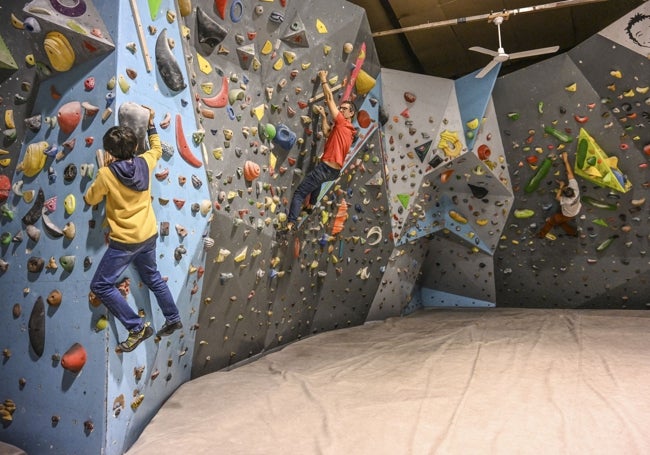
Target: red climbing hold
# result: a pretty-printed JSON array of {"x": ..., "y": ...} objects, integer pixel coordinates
[
  {"x": 75, "y": 358},
  {"x": 220, "y": 5}
]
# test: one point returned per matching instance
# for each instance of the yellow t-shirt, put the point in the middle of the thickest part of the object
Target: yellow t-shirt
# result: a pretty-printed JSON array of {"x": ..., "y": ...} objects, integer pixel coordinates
[{"x": 129, "y": 213}]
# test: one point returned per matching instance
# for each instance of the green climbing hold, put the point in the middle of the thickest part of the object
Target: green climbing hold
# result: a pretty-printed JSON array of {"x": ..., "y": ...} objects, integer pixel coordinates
[
  {"x": 581, "y": 154},
  {"x": 603, "y": 246},
  {"x": 524, "y": 213},
  {"x": 513, "y": 115},
  {"x": 541, "y": 173},
  {"x": 597, "y": 203},
  {"x": 559, "y": 135},
  {"x": 600, "y": 222}
]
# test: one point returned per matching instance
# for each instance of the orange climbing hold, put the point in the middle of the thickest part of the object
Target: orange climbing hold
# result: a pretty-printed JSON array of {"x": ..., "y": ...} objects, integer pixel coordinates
[
  {"x": 75, "y": 358},
  {"x": 341, "y": 217},
  {"x": 220, "y": 6}
]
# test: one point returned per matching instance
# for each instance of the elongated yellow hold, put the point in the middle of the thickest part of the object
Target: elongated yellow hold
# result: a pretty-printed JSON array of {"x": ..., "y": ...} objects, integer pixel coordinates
[
  {"x": 124, "y": 85},
  {"x": 454, "y": 215},
  {"x": 17, "y": 23},
  {"x": 320, "y": 26},
  {"x": 9, "y": 119}
]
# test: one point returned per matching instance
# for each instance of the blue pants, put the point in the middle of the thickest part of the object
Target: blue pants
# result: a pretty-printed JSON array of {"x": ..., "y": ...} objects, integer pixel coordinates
[
  {"x": 113, "y": 264},
  {"x": 311, "y": 186}
]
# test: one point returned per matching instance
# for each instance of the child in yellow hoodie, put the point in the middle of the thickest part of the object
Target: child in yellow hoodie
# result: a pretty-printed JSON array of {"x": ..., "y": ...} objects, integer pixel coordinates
[{"x": 125, "y": 183}]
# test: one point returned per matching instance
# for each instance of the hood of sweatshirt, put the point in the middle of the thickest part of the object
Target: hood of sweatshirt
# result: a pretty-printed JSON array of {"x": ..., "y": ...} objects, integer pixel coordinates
[{"x": 132, "y": 173}]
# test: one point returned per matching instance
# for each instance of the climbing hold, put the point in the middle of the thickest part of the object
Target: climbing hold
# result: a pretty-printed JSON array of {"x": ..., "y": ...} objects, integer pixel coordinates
[
  {"x": 59, "y": 51},
  {"x": 209, "y": 32},
  {"x": 541, "y": 173},
  {"x": 183, "y": 146},
  {"x": 36, "y": 327},
  {"x": 54, "y": 298},
  {"x": 524, "y": 213},
  {"x": 33, "y": 233},
  {"x": 320, "y": 26},
  {"x": 168, "y": 67},
  {"x": 483, "y": 152},
  {"x": 52, "y": 229},
  {"x": 251, "y": 171},
  {"x": 284, "y": 137},
  {"x": 74, "y": 358},
  {"x": 70, "y": 203},
  {"x": 69, "y": 230},
  {"x": 34, "y": 213},
  {"x": 69, "y": 116},
  {"x": 34, "y": 159},
  {"x": 67, "y": 262}
]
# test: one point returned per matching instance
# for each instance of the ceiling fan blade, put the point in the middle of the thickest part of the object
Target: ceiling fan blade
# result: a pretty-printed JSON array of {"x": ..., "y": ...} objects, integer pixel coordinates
[
  {"x": 533, "y": 52},
  {"x": 483, "y": 50},
  {"x": 487, "y": 69}
]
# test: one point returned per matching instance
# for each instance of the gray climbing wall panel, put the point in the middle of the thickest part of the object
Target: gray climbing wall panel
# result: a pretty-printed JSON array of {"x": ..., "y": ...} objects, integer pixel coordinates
[{"x": 605, "y": 267}]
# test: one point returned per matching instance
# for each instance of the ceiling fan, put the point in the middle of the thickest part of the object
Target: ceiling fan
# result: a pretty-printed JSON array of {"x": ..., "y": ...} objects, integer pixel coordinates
[{"x": 500, "y": 55}]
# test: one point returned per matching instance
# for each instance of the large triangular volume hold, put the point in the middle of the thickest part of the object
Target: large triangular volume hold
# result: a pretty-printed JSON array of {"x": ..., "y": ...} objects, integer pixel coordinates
[
  {"x": 246, "y": 54},
  {"x": 422, "y": 150},
  {"x": 71, "y": 34},
  {"x": 296, "y": 34},
  {"x": 210, "y": 33},
  {"x": 6, "y": 59}
]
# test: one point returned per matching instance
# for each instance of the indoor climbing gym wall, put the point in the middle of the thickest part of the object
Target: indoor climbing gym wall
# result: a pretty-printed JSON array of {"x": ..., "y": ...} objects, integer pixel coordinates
[
  {"x": 444, "y": 190},
  {"x": 596, "y": 107},
  {"x": 68, "y": 74}
]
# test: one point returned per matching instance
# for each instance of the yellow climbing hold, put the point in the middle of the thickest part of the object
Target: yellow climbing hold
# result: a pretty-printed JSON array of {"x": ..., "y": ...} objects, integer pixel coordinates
[
  {"x": 472, "y": 124},
  {"x": 69, "y": 203},
  {"x": 204, "y": 64},
  {"x": 34, "y": 159},
  {"x": 320, "y": 26},
  {"x": 258, "y": 112},
  {"x": 327, "y": 49},
  {"x": 9, "y": 119},
  {"x": 289, "y": 57},
  {"x": 273, "y": 160},
  {"x": 59, "y": 51},
  {"x": 305, "y": 65},
  {"x": 123, "y": 83},
  {"x": 616, "y": 73},
  {"x": 267, "y": 48},
  {"x": 241, "y": 255},
  {"x": 571, "y": 88},
  {"x": 207, "y": 87},
  {"x": 278, "y": 65}
]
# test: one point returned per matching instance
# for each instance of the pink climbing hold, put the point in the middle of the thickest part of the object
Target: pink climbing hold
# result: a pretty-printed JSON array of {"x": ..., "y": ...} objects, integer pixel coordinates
[{"x": 69, "y": 116}]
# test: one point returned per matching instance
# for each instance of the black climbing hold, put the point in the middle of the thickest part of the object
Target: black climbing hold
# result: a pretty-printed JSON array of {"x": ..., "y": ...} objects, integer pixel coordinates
[{"x": 37, "y": 327}]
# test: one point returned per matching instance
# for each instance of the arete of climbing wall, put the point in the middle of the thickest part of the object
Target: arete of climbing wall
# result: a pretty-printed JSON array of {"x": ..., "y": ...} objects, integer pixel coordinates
[
  {"x": 593, "y": 103},
  {"x": 66, "y": 78}
]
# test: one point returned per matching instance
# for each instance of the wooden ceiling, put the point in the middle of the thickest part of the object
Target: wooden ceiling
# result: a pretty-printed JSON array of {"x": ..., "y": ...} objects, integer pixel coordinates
[{"x": 443, "y": 51}]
